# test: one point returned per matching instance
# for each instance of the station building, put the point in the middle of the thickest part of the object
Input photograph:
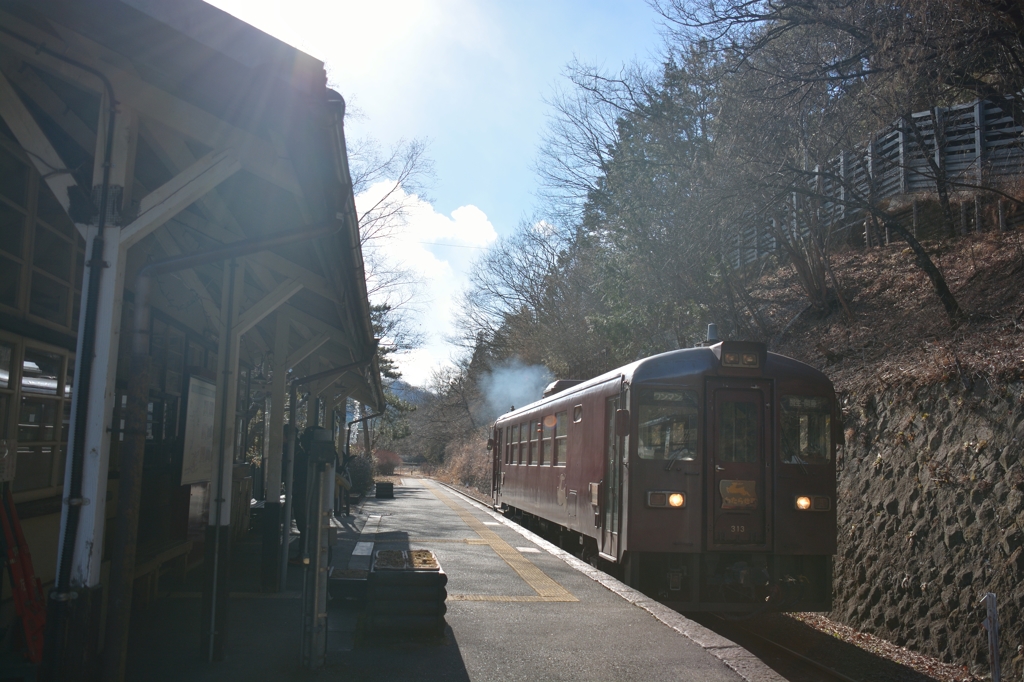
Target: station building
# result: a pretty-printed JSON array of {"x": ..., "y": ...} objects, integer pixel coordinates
[{"x": 134, "y": 133}]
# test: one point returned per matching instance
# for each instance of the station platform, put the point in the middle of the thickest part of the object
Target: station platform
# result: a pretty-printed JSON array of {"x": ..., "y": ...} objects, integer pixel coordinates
[{"x": 518, "y": 608}]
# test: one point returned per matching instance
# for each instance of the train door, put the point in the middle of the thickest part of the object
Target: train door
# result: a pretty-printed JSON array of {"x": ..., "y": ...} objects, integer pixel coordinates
[
  {"x": 739, "y": 446},
  {"x": 612, "y": 493},
  {"x": 498, "y": 456}
]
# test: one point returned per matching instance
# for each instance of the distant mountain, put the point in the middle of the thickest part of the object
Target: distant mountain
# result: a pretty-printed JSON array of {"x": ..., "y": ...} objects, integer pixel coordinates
[{"x": 409, "y": 393}]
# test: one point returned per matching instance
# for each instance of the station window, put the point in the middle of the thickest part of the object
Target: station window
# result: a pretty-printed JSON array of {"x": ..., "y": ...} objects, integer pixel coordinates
[
  {"x": 560, "y": 440},
  {"x": 35, "y": 411},
  {"x": 806, "y": 430},
  {"x": 41, "y": 253}
]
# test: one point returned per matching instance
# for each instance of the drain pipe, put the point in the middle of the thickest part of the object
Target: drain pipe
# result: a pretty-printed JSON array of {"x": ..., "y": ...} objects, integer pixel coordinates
[
  {"x": 346, "y": 457},
  {"x": 289, "y": 463},
  {"x": 124, "y": 542},
  {"x": 56, "y": 635}
]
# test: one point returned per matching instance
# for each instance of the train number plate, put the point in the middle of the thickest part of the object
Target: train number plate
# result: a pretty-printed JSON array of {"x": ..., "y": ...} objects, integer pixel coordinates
[{"x": 735, "y": 530}]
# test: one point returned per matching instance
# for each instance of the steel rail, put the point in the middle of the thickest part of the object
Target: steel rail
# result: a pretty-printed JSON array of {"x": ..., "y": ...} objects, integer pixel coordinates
[{"x": 789, "y": 652}]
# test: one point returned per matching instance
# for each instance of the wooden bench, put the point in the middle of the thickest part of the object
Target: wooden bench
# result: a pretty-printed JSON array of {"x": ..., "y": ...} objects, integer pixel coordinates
[{"x": 147, "y": 571}]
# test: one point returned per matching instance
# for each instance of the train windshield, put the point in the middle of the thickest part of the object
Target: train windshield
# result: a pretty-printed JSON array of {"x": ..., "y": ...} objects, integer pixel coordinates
[
  {"x": 668, "y": 425},
  {"x": 806, "y": 430}
]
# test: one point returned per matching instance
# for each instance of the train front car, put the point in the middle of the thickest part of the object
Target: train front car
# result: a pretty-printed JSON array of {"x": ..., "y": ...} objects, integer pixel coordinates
[
  {"x": 731, "y": 481},
  {"x": 704, "y": 477}
]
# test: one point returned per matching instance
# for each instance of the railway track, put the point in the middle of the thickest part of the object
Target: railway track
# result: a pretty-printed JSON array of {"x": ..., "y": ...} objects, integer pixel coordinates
[{"x": 791, "y": 664}]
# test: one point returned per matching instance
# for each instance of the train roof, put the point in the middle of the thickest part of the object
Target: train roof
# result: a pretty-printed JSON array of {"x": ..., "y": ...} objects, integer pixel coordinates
[{"x": 681, "y": 363}]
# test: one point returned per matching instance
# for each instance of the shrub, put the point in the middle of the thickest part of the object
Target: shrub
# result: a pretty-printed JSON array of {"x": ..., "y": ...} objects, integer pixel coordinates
[
  {"x": 467, "y": 463},
  {"x": 360, "y": 469},
  {"x": 385, "y": 461}
]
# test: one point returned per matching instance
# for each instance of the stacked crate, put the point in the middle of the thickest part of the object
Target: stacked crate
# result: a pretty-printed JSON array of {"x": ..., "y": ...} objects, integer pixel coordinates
[{"x": 406, "y": 594}]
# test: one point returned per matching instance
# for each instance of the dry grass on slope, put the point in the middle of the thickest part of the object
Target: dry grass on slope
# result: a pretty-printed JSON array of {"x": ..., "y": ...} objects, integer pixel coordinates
[{"x": 900, "y": 335}]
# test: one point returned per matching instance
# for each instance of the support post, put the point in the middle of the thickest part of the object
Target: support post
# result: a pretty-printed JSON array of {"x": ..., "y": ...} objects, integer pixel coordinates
[
  {"x": 73, "y": 615},
  {"x": 314, "y": 639},
  {"x": 269, "y": 567},
  {"x": 289, "y": 485},
  {"x": 218, "y": 530}
]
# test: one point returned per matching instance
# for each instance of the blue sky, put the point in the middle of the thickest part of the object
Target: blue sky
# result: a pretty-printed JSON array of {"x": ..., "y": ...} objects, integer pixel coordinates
[{"x": 470, "y": 77}]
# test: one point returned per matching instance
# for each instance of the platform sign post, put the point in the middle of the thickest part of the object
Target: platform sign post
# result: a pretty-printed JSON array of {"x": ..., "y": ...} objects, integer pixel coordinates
[{"x": 991, "y": 624}]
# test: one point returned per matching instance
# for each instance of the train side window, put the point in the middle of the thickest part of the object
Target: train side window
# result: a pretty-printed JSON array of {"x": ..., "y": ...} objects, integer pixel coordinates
[
  {"x": 534, "y": 451},
  {"x": 547, "y": 455},
  {"x": 524, "y": 430},
  {"x": 668, "y": 425},
  {"x": 806, "y": 430},
  {"x": 577, "y": 414},
  {"x": 560, "y": 439},
  {"x": 510, "y": 446}
]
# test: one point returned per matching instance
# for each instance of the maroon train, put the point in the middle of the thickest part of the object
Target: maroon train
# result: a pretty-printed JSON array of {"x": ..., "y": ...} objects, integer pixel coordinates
[{"x": 705, "y": 477}]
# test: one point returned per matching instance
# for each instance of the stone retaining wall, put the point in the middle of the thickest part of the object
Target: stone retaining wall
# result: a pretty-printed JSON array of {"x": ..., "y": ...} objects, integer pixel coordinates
[{"x": 931, "y": 516}]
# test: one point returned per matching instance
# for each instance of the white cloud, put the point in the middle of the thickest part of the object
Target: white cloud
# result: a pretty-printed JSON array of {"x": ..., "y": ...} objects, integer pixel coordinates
[{"x": 438, "y": 250}]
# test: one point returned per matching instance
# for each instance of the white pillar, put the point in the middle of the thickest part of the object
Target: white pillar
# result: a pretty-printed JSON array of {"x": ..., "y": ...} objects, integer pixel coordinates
[{"x": 85, "y": 568}]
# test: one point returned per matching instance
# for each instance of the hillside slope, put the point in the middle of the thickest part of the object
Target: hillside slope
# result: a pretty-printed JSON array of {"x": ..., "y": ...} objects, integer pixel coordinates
[{"x": 931, "y": 502}]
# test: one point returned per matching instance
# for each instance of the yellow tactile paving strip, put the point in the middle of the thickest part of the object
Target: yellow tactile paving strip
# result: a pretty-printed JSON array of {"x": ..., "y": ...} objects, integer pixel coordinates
[{"x": 547, "y": 589}]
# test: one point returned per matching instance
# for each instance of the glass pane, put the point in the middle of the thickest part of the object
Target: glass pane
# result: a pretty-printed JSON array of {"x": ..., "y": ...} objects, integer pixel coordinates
[
  {"x": 62, "y": 459},
  {"x": 6, "y": 352},
  {"x": 69, "y": 379},
  {"x": 806, "y": 430},
  {"x": 668, "y": 425},
  {"x": 13, "y": 177},
  {"x": 524, "y": 430},
  {"x": 196, "y": 355},
  {"x": 49, "y": 299},
  {"x": 5, "y": 404},
  {"x": 34, "y": 467},
  {"x": 50, "y": 210},
  {"x": 66, "y": 422},
  {"x": 612, "y": 458},
  {"x": 737, "y": 432},
  {"x": 39, "y": 372},
  {"x": 52, "y": 253},
  {"x": 175, "y": 360},
  {"x": 38, "y": 420},
  {"x": 534, "y": 433},
  {"x": 561, "y": 436},
  {"x": 12, "y": 229},
  {"x": 10, "y": 280},
  {"x": 548, "y": 444}
]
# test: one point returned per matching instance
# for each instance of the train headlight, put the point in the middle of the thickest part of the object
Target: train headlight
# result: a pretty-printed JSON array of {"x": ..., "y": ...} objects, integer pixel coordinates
[
  {"x": 812, "y": 503},
  {"x": 665, "y": 498}
]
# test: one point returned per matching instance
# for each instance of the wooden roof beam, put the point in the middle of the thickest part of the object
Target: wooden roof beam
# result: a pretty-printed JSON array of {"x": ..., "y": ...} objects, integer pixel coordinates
[{"x": 258, "y": 155}]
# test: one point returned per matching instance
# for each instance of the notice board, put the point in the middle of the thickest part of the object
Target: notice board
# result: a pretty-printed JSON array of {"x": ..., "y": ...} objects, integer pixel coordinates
[{"x": 197, "y": 461}]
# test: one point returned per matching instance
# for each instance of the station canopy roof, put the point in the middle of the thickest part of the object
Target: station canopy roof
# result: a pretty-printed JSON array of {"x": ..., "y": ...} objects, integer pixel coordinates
[{"x": 207, "y": 87}]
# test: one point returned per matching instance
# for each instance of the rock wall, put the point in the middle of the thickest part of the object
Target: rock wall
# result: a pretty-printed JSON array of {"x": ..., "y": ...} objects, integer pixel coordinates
[{"x": 931, "y": 517}]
